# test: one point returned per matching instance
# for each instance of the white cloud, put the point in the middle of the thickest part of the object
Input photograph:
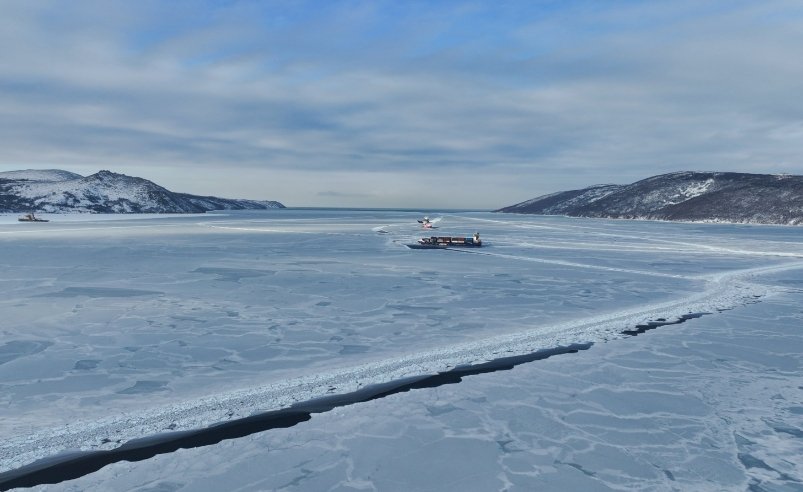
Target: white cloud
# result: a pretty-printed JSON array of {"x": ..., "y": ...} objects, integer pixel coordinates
[{"x": 412, "y": 102}]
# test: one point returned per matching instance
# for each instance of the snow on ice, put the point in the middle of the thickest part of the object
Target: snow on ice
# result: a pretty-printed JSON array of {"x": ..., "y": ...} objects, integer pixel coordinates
[{"x": 116, "y": 328}]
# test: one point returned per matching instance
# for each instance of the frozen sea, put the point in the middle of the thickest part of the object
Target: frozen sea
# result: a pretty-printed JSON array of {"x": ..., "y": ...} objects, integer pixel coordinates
[{"x": 132, "y": 329}]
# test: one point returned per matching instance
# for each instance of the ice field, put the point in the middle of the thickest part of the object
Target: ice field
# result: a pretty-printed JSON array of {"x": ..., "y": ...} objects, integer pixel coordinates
[{"x": 117, "y": 328}]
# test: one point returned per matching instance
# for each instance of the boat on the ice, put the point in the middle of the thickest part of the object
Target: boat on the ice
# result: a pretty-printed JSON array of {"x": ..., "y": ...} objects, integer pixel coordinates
[
  {"x": 442, "y": 242},
  {"x": 426, "y": 223},
  {"x": 31, "y": 218}
]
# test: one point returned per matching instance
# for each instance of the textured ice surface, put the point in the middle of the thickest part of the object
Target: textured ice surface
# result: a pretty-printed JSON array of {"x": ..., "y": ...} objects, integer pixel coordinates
[
  {"x": 709, "y": 405},
  {"x": 118, "y": 329}
]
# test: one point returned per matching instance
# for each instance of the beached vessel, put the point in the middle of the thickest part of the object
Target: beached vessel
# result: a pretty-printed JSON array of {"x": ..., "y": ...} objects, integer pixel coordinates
[{"x": 31, "y": 218}]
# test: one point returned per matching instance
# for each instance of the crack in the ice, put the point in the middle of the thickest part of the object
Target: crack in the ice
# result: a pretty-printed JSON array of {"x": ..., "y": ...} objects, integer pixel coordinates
[{"x": 71, "y": 466}]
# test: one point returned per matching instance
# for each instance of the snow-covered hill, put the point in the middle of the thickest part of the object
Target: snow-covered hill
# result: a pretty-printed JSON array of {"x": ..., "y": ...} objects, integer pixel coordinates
[
  {"x": 686, "y": 196},
  {"x": 40, "y": 175},
  {"x": 54, "y": 190}
]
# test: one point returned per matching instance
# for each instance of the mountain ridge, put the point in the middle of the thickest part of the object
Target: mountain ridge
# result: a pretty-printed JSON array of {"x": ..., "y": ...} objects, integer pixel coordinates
[
  {"x": 691, "y": 196},
  {"x": 58, "y": 191}
]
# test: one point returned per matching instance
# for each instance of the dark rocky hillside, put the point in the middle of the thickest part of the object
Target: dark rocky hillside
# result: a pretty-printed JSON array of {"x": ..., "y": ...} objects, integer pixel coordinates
[{"x": 682, "y": 196}]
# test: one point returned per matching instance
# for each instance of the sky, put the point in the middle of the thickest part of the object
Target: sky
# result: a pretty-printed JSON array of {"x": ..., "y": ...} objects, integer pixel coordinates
[{"x": 451, "y": 104}]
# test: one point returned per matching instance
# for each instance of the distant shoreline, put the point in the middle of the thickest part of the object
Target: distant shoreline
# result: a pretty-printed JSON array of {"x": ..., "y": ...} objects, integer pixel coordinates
[{"x": 431, "y": 210}]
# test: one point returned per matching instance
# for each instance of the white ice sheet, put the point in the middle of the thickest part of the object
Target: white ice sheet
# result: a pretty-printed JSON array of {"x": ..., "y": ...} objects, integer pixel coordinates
[{"x": 118, "y": 329}]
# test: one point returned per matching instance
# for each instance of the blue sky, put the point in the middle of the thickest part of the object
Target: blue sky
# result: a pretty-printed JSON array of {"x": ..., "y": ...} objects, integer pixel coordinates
[{"x": 400, "y": 103}]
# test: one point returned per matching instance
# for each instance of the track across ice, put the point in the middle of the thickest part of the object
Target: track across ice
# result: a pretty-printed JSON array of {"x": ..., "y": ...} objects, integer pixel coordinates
[
  {"x": 726, "y": 291},
  {"x": 715, "y": 291}
]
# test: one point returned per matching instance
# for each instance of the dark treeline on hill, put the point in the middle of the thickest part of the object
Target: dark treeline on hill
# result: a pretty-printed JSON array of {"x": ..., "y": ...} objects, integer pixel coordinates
[
  {"x": 58, "y": 191},
  {"x": 682, "y": 196}
]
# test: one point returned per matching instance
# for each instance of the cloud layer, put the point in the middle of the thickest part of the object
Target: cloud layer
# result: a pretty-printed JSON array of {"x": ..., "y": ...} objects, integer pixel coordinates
[{"x": 441, "y": 104}]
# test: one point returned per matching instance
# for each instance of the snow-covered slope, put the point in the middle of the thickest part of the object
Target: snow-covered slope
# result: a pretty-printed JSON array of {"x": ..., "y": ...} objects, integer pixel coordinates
[
  {"x": 562, "y": 202},
  {"x": 40, "y": 175},
  {"x": 104, "y": 192},
  {"x": 687, "y": 196}
]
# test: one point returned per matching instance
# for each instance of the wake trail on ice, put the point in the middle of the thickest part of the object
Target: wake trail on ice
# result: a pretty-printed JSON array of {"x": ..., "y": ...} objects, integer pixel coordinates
[
  {"x": 578, "y": 246},
  {"x": 569, "y": 264},
  {"x": 684, "y": 245},
  {"x": 721, "y": 291}
]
